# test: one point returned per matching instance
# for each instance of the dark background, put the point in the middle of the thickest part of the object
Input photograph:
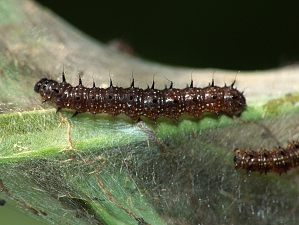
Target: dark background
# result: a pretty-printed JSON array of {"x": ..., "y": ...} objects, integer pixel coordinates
[{"x": 239, "y": 35}]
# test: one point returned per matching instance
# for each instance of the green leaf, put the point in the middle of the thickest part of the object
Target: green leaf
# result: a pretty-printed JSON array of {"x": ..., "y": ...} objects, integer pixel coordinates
[{"x": 108, "y": 170}]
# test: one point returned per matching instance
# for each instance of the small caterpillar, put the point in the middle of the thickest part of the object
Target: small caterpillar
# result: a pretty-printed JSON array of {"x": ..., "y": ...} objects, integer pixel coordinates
[
  {"x": 136, "y": 102},
  {"x": 277, "y": 160}
]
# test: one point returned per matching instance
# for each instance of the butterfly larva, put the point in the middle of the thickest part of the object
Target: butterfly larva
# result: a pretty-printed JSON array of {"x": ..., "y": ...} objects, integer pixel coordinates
[
  {"x": 136, "y": 102},
  {"x": 277, "y": 160}
]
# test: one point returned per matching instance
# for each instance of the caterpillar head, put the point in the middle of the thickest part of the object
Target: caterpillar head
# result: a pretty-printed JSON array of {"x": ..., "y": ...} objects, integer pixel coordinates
[{"x": 45, "y": 88}]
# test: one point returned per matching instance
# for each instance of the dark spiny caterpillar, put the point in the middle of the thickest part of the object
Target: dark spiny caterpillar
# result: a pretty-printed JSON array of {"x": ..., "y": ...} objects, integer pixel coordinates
[
  {"x": 136, "y": 102},
  {"x": 277, "y": 160}
]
